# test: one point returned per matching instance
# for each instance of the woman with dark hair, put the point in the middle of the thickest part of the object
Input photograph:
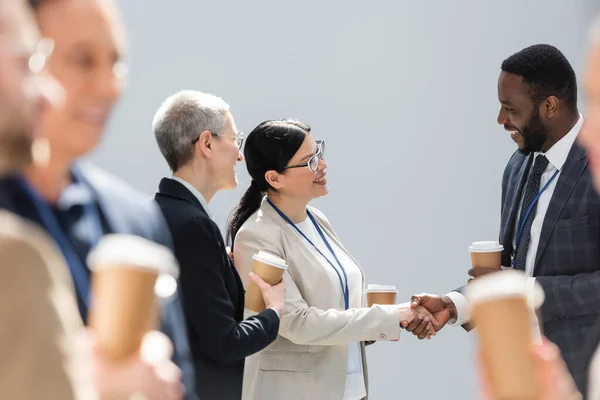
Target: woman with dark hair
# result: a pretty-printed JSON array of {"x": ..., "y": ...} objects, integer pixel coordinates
[{"x": 319, "y": 353}]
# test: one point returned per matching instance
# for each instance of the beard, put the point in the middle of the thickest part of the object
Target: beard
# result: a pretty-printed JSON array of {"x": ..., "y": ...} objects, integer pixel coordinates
[{"x": 534, "y": 134}]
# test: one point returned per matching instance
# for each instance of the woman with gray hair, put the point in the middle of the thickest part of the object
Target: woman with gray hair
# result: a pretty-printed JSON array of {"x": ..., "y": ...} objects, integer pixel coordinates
[{"x": 196, "y": 134}]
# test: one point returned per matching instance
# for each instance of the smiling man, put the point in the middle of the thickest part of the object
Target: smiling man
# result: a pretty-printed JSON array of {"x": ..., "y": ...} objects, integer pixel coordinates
[{"x": 550, "y": 221}]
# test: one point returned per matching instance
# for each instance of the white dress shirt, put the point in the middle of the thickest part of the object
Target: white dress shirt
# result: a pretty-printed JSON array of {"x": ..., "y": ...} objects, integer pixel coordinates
[
  {"x": 557, "y": 156},
  {"x": 355, "y": 379}
]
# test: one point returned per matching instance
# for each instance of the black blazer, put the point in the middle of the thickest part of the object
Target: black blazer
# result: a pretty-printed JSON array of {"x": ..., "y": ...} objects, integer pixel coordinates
[{"x": 213, "y": 297}]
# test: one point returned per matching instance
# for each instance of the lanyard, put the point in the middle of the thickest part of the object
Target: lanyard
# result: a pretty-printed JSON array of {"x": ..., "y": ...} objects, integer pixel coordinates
[
  {"x": 345, "y": 290},
  {"x": 51, "y": 224},
  {"x": 530, "y": 209}
]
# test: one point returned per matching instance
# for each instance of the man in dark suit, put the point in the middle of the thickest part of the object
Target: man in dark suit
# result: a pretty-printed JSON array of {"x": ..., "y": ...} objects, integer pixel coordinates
[
  {"x": 196, "y": 134},
  {"x": 78, "y": 204},
  {"x": 550, "y": 221}
]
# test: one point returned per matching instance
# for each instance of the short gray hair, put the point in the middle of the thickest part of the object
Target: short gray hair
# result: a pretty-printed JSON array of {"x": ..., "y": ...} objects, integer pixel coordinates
[{"x": 180, "y": 120}]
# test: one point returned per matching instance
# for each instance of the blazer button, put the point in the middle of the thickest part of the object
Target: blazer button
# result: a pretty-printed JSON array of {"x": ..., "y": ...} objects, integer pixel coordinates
[{"x": 383, "y": 336}]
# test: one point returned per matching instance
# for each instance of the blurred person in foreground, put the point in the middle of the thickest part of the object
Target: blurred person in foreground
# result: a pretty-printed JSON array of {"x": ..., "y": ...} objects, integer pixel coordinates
[
  {"x": 45, "y": 353},
  {"x": 590, "y": 138},
  {"x": 37, "y": 308},
  {"x": 77, "y": 204},
  {"x": 196, "y": 134}
]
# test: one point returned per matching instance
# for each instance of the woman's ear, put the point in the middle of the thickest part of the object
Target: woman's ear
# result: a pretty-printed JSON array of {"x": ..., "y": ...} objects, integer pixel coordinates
[
  {"x": 274, "y": 179},
  {"x": 204, "y": 144}
]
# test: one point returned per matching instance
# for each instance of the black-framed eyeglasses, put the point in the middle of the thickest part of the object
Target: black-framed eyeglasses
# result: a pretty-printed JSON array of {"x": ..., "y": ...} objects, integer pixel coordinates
[
  {"x": 238, "y": 138},
  {"x": 313, "y": 162}
]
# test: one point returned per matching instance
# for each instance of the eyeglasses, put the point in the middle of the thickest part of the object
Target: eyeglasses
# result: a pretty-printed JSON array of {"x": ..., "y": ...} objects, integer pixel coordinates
[
  {"x": 313, "y": 162},
  {"x": 238, "y": 139}
]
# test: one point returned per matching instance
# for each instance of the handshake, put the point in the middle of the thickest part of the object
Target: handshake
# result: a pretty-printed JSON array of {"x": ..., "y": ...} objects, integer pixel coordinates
[
  {"x": 423, "y": 316},
  {"x": 426, "y": 314}
]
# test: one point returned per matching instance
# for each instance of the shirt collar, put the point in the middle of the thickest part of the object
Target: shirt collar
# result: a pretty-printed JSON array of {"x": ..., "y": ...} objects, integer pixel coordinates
[
  {"x": 196, "y": 194},
  {"x": 77, "y": 193},
  {"x": 557, "y": 154}
]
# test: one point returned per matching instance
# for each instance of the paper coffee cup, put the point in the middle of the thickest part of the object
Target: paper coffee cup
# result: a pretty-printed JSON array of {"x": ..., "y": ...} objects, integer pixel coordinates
[
  {"x": 503, "y": 309},
  {"x": 270, "y": 268},
  {"x": 486, "y": 254},
  {"x": 127, "y": 274},
  {"x": 381, "y": 294}
]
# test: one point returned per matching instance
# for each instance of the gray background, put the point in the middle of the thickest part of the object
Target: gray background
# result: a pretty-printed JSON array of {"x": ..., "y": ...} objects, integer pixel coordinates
[{"x": 404, "y": 93}]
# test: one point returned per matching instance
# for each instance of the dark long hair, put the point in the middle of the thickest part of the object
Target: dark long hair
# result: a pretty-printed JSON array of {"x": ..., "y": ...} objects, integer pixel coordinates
[{"x": 269, "y": 147}]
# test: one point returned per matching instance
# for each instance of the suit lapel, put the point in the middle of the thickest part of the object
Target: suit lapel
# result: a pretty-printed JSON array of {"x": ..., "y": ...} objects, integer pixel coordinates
[
  {"x": 272, "y": 214},
  {"x": 109, "y": 212},
  {"x": 571, "y": 172},
  {"x": 171, "y": 188},
  {"x": 329, "y": 232},
  {"x": 283, "y": 225},
  {"x": 515, "y": 193}
]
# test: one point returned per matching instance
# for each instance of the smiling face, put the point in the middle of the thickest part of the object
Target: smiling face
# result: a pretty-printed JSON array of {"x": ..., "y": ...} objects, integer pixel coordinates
[
  {"x": 519, "y": 114},
  {"x": 301, "y": 182},
  {"x": 226, "y": 156},
  {"x": 87, "y": 63}
]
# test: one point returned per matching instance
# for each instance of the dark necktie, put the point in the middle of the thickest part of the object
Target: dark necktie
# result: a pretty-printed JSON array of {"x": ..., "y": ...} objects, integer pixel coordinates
[{"x": 531, "y": 191}]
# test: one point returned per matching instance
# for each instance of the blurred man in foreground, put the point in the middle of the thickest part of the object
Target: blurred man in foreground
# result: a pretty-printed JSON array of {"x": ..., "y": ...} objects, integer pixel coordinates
[
  {"x": 45, "y": 353},
  {"x": 37, "y": 308}
]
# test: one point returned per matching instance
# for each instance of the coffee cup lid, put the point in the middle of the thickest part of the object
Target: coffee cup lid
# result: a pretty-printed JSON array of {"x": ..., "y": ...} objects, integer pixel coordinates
[
  {"x": 505, "y": 284},
  {"x": 134, "y": 252},
  {"x": 270, "y": 259},
  {"x": 381, "y": 288},
  {"x": 486, "y": 247}
]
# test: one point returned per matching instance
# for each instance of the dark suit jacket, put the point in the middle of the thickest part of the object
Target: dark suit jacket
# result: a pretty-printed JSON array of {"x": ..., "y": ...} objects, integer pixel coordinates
[
  {"x": 123, "y": 210},
  {"x": 213, "y": 297},
  {"x": 567, "y": 263}
]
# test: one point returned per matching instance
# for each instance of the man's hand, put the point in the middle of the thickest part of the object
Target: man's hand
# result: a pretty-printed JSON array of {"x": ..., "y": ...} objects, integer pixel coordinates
[
  {"x": 441, "y": 307},
  {"x": 274, "y": 296},
  {"x": 427, "y": 328},
  {"x": 150, "y": 373},
  {"x": 556, "y": 382}
]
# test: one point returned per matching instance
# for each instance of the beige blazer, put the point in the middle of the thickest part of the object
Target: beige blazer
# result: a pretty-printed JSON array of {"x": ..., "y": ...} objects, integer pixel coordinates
[
  {"x": 39, "y": 318},
  {"x": 308, "y": 360}
]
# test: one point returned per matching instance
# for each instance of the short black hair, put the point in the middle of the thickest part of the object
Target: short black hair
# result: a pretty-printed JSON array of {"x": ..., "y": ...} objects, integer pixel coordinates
[{"x": 547, "y": 71}]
